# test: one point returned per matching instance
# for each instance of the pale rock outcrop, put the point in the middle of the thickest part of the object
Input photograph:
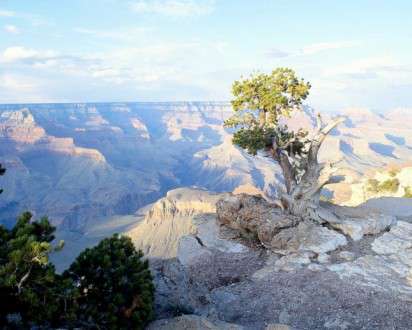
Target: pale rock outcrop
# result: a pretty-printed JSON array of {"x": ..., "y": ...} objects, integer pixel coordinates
[
  {"x": 356, "y": 228},
  {"x": 204, "y": 240},
  {"x": 391, "y": 268},
  {"x": 170, "y": 219},
  {"x": 190, "y": 251},
  {"x": 294, "y": 261},
  {"x": 397, "y": 241},
  {"x": 308, "y": 236}
]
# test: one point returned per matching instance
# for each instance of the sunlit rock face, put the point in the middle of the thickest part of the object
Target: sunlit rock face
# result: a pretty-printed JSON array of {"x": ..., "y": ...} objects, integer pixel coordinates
[{"x": 83, "y": 162}]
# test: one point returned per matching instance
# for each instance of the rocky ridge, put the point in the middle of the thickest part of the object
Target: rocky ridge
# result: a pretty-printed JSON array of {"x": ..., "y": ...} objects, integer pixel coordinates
[{"x": 321, "y": 277}]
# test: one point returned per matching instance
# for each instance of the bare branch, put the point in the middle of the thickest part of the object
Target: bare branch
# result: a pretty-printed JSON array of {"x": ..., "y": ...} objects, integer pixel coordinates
[
  {"x": 319, "y": 138},
  {"x": 23, "y": 279},
  {"x": 326, "y": 130},
  {"x": 319, "y": 122}
]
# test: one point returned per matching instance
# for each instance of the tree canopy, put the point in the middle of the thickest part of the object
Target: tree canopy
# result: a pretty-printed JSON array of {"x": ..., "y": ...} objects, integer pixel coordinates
[
  {"x": 27, "y": 279},
  {"x": 114, "y": 284},
  {"x": 259, "y": 102}
]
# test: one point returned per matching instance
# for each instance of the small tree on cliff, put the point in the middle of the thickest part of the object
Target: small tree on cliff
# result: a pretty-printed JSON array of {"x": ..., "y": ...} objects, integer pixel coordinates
[
  {"x": 114, "y": 284},
  {"x": 259, "y": 104}
]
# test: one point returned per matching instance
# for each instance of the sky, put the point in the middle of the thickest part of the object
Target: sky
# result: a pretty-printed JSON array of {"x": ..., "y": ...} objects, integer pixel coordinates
[{"x": 355, "y": 53}]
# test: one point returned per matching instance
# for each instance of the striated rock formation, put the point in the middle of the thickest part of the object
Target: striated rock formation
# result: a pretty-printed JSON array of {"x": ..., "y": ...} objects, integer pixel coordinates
[
  {"x": 169, "y": 219},
  {"x": 90, "y": 161}
]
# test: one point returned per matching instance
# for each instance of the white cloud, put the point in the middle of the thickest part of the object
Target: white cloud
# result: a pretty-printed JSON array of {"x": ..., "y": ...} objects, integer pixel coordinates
[
  {"x": 174, "y": 8},
  {"x": 43, "y": 59},
  {"x": 322, "y": 46},
  {"x": 22, "y": 54},
  {"x": 16, "y": 83},
  {"x": 124, "y": 34},
  {"x": 157, "y": 63},
  {"x": 7, "y": 13},
  {"x": 25, "y": 88},
  {"x": 364, "y": 66},
  {"x": 11, "y": 29},
  {"x": 312, "y": 49}
]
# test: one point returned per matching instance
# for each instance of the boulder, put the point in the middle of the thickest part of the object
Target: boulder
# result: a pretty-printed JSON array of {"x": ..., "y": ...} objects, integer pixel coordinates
[
  {"x": 356, "y": 228},
  {"x": 255, "y": 217},
  {"x": 397, "y": 241}
]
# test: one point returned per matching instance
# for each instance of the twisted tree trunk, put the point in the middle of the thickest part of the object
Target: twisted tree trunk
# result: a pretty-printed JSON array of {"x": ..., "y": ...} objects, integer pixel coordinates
[{"x": 303, "y": 193}]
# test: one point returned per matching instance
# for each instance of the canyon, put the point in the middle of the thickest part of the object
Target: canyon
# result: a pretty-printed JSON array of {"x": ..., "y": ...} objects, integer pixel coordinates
[{"x": 82, "y": 163}]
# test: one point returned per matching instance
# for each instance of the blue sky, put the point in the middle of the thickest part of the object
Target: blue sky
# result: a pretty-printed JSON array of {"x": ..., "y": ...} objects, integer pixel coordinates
[{"x": 356, "y": 53}]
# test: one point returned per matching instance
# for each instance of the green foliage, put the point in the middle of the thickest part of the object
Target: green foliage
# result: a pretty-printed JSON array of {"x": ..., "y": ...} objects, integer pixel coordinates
[
  {"x": 393, "y": 172},
  {"x": 108, "y": 286},
  {"x": 115, "y": 288},
  {"x": 390, "y": 185},
  {"x": 2, "y": 171},
  {"x": 373, "y": 185},
  {"x": 408, "y": 192},
  {"x": 258, "y": 104},
  {"x": 277, "y": 93},
  {"x": 27, "y": 279}
]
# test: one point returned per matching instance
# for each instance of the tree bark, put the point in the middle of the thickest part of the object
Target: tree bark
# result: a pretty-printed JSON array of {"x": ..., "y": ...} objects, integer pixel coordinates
[{"x": 303, "y": 194}]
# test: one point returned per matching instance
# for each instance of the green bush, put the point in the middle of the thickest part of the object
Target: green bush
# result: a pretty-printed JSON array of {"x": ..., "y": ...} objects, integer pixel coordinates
[
  {"x": 115, "y": 288},
  {"x": 408, "y": 192},
  {"x": 27, "y": 279},
  {"x": 107, "y": 287},
  {"x": 393, "y": 172},
  {"x": 373, "y": 185},
  {"x": 390, "y": 185}
]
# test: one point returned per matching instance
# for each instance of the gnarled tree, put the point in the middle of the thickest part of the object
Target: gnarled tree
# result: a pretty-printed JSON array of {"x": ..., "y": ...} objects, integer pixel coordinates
[{"x": 259, "y": 104}]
